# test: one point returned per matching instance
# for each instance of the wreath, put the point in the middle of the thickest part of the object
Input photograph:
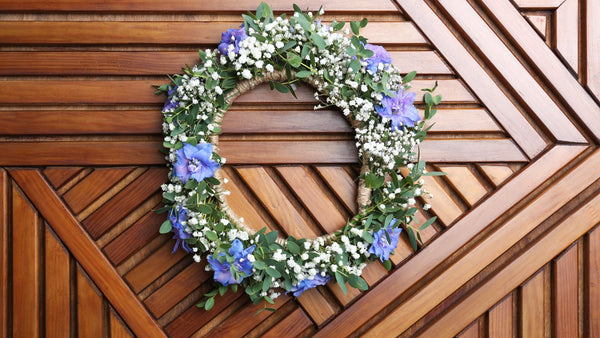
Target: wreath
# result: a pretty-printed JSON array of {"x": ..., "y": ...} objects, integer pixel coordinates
[{"x": 348, "y": 73}]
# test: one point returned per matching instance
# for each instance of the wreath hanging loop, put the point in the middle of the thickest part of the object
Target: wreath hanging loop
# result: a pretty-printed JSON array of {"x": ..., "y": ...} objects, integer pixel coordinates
[
  {"x": 348, "y": 73},
  {"x": 363, "y": 192}
]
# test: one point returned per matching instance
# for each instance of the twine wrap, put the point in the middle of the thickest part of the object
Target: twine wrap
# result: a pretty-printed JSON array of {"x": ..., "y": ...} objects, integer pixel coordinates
[{"x": 363, "y": 197}]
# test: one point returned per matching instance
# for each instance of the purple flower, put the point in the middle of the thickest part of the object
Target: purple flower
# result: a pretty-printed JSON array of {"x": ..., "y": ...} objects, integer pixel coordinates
[
  {"x": 241, "y": 264},
  {"x": 399, "y": 109},
  {"x": 380, "y": 55},
  {"x": 232, "y": 37},
  {"x": 177, "y": 219},
  {"x": 306, "y": 284},
  {"x": 195, "y": 162},
  {"x": 380, "y": 246},
  {"x": 171, "y": 103}
]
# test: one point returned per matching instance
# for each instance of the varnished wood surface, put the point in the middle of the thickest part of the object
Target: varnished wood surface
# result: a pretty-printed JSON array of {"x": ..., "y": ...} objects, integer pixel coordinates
[{"x": 514, "y": 251}]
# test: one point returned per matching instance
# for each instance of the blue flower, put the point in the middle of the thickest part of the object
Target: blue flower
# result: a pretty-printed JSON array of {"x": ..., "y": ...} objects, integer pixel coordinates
[
  {"x": 195, "y": 162},
  {"x": 306, "y": 284},
  {"x": 232, "y": 37},
  {"x": 171, "y": 103},
  {"x": 399, "y": 109},
  {"x": 241, "y": 264},
  {"x": 380, "y": 246},
  {"x": 177, "y": 219},
  {"x": 380, "y": 55}
]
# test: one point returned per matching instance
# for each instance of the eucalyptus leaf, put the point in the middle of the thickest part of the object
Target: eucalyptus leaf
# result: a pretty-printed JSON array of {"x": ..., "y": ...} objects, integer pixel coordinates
[{"x": 165, "y": 227}]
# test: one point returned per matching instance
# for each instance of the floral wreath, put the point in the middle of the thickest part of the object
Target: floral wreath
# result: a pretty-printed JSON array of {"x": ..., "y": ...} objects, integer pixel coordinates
[{"x": 348, "y": 73}]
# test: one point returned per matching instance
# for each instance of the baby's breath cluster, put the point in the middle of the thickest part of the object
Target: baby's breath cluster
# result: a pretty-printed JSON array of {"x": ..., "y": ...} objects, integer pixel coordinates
[{"x": 348, "y": 73}]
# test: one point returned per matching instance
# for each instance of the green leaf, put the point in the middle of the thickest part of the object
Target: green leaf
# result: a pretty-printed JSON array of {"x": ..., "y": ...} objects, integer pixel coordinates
[
  {"x": 287, "y": 46},
  {"x": 259, "y": 265},
  {"x": 363, "y": 22},
  {"x": 293, "y": 247},
  {"x": 259, "y": 37},
  {"x": 387, "y": 265},
  {"x": 250, "y": 21},
  {"x": 273, "y": 273},
  {"x": 409, "y": 77},
  {"x": 355, "y": 26},
  {"x": 366, "y": 53},
  {"x": 305, "y": 50},
  {"x": 294, "y": 59},
  {"x": 435, "y": 173},
  {"x": 318, "y": 40},
  {"x": 357, "y": 282},
  {"x": 211, "y": 235},
  {"x": 428, "y": 223},
  {"x": 367, "y": 236},
  {"x": 165, "y": 227},
  {"x": 297, "y": 8},
  {"x": 304, "y": 23},
  {"x": 351, "y": 51},
  {"x": 337, "y": 25},
  {"x": 437, "y": 99},
  {"x": 354, "y": 66},
  {"x": 281, "y": 87},
  {"x": 388, "y": 219},
  {"x": 341, "y": 282},
  {"x": 222, "y": 290},
  {"x": 209, "y": 304},
  {"x": 373, "y": 181},
  {"x": 368, "y": 221},
  {"x": 303, "y": 73},
  {"x": 234, "y": 288},
  {"x": 411, "y": 237},
  {"x": 271, "y": 236},
  {"x": 205, "y": 209}
]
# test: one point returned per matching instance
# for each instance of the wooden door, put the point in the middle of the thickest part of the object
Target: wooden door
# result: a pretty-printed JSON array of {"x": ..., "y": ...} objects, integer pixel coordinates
[{"x": 515, "y": 250}]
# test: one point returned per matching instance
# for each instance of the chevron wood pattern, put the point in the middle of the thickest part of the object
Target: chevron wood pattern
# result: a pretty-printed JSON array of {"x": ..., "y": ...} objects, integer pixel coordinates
[{"x": 515, "y": 249}]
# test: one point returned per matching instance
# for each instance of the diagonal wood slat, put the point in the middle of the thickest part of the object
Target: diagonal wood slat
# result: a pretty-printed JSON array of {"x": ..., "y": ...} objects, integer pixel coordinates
[{"x": 86, "y": 252}]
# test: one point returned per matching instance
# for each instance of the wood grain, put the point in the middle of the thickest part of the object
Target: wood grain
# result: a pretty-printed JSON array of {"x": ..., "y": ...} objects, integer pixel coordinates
[
  {"x": 484, "y": 87},
  {"x": 292, "y": 325},
  {"x": 338, "y": 6},
  {"x": 593, "y": 287},
  {"x": 125, "y": 201},
  {"x": 566, "y": 287},
  {"x": 314, "y": 199},
  {"x": 5, "y": 275},
  {"x": 592, "y": 30},
  {"x": 160, "y": 62},
  {"x": 104, "y": 92},
  {"x": 501, "y": 57},
  {"x": 57, "y": 287},
  {"x": 26, "y": 267},
  {"x": 566, "y": 17},
  {"x": 163, "y": 33},
  {"x": 135, "y": 237},
  {"x": 490, "y": 248},
  {"x": 548, "y": 64},
  {"x": 532, "y": 307},
  {"x": 501, "y": 319},
  {"x": 92, "y": 186},
  {"x": 85, "y": 251},
  {"x": 90, "y": 307},
  {"x": 397, "y": 282},
  {"x": 518, "y": 270}
]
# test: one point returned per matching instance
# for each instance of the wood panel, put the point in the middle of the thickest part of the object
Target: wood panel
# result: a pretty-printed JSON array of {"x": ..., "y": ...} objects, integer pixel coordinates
[
  {"x": 514, "y": 249},
  {"x": 50, "y": 279}
]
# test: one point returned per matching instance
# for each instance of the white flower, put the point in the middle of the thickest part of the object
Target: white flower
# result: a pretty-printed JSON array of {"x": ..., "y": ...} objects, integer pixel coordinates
[
  {"x": 269, "y": 68},
  {"x": 246, "y": 74},
  {"x": 218, "y": 90}
]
